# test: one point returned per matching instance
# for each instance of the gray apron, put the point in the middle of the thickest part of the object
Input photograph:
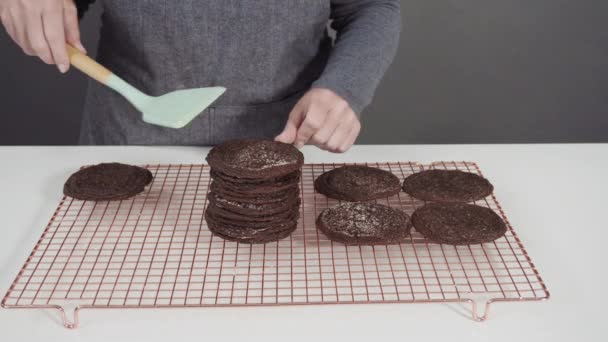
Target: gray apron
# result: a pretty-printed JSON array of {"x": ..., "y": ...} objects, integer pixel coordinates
[{"x": 266, "y": 53}]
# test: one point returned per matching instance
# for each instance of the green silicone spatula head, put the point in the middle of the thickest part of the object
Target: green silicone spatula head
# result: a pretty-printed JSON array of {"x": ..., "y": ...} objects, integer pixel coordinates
[{"x": 175, "y": 109}]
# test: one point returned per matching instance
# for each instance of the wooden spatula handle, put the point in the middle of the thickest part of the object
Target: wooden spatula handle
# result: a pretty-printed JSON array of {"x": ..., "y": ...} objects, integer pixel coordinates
[{"x": 88, "y": 65}]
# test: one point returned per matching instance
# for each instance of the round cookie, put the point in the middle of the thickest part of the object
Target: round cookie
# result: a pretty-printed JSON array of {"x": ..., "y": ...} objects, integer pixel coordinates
[
  {"x": 258, "y": 191},
  {"x": 107, "y": 182},
  {"x": 289, "y": 178},
  {"x": 257, "y": 188},
  {"x": 255, "y": 158},
  {"x": 260, "y": 239},
  {"x": 257, "y": 225},
  {"x": 227, "y": 215},
  {"x": 253, "y": 209},
  {"x": 357, "y": 183},
  {"x": 364, "y": 224},
  {"x": 458, "y": 223},
  {"x": 447, "y": 186},
  {"x": 247, "y": 234},
  {"x": 253, "y": 197}
]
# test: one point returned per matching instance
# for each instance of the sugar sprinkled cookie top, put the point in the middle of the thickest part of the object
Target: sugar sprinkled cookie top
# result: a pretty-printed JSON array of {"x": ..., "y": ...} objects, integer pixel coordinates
[
  {"x": 255, "y": 158},
  {"x": 364, "y": 223}
]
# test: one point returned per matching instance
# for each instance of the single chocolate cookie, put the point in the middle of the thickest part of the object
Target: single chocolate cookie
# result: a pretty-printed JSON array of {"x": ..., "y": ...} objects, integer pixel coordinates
[
  {"x": 234, "y": 217},
  {"x": 293, "y": 177},
  {"x": 458, "y": 223},
  {"x": 364, "y": 224},
  {"x": 249, "y": 234},
  {"x": 254, "y": 197},
  {"x": 258, "y": 239},
  {"x": 242, "y": 226},
  {"x": 255, "y": 158},
  {"x": 107, "y": 182},
  {"x": 257, "y": 188},
  {"x": 357, "y": 183},
  {"x": 447, "y": 186},
  {"x": 253, "y": 209}
]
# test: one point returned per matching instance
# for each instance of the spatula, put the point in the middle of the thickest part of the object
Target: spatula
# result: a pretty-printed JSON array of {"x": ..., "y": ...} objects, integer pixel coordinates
[{"x": 175, "y": 109}]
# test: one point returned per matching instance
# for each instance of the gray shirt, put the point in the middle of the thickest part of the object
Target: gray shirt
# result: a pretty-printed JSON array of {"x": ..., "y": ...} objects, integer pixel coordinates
[{"x": 267, "y": 53}]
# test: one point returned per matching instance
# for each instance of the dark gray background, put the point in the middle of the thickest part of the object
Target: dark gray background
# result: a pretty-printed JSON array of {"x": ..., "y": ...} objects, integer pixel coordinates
[{"x": 468, "y": 71}]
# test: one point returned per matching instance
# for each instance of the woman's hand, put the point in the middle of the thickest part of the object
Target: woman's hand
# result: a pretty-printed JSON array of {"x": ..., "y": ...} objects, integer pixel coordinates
[
  {"x": 324, "y": 119},
  {"x": 42, "y": 27}
]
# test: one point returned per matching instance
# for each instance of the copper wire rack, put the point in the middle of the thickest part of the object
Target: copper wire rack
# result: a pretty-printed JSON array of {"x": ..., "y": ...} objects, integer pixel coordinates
[{"x": 155, "y": 251}]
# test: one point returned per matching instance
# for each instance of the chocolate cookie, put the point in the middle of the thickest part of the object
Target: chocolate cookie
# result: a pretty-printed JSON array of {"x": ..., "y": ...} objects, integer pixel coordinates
[
  {"x": 248, "y": 234},
  {"x": 253, "y": 209},
  {"x": 364, "y": 224},
  {"x": 253, "y": 197},
  {"x": 458, "y": 223},
  {"x": 107, "y": 182},
  {"x": 258, "y": 239},
  {"x": 447, "y": 186},
  {"x": 289, "y": 178},
  {"x": 357, "y": 183},
  {"x": 255, "y": 158},
  {"x": 230, "y": 216},
  {"x": 257, "y": 188},
  {"x": 243, "y": 227}
]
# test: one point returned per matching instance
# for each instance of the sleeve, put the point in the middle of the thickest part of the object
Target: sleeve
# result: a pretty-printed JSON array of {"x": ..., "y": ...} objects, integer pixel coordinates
[
  {"x": 367, "y": 38},
  {"x": 82, "y": 6}
]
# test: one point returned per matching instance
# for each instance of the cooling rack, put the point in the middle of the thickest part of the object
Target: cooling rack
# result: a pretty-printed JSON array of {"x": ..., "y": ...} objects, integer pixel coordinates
[{"x": 155, "y": 251}]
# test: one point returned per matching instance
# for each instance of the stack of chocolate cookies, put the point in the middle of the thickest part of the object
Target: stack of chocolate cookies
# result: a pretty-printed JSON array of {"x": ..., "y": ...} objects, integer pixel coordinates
[{"x": 254, "y": 195}]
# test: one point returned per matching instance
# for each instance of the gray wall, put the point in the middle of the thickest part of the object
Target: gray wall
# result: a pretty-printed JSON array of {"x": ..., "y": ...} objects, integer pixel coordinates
[{"x": 468, "y": 71}]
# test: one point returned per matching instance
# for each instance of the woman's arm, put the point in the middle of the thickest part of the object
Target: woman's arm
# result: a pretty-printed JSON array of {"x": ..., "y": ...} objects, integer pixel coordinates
[{"x": 366, "y": 43}]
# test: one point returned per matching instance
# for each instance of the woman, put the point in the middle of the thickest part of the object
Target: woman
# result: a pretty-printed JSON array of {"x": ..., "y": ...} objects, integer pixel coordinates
[{"x": 285, "y": 77}]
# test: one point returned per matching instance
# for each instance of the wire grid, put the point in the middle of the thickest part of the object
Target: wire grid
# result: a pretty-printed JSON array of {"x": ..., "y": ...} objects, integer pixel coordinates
[{"x": 155, "y": 250}]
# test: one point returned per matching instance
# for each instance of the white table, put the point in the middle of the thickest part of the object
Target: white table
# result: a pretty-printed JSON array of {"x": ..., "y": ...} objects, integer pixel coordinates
[{"x": 554, "y": 195}]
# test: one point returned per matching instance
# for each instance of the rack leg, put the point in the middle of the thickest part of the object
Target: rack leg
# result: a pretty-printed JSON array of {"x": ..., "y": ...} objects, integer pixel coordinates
[
  {"x": 480, "y": 316},
  {"x": 70, "y": 324}
]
